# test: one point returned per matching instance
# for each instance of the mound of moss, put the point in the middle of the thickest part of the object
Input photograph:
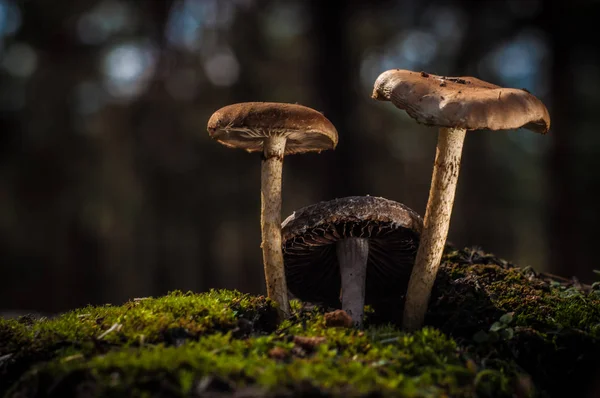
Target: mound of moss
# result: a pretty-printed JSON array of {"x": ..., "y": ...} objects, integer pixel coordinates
[{"x": 494, "y": 330}]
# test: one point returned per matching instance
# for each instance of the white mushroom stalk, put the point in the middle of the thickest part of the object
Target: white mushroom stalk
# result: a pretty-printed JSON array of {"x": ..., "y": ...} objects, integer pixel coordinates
[
  {"x": 435, "y": 225},
  {"x": 353, "y": 254},
  {"x": 270, "y": 221}
]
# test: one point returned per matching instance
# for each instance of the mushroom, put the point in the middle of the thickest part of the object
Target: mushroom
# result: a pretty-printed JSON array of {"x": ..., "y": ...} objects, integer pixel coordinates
[
  {"x": 366, "y": 243},
  {"x": 274, "y": 130},
  {"x": 455, "y": 105}
]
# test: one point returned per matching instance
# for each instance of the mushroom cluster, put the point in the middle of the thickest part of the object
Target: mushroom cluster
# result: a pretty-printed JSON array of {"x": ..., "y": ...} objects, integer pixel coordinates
[{"x": 350, "y": 251}]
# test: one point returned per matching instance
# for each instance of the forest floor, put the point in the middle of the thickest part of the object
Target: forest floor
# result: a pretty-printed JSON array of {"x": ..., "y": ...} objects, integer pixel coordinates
[{"x": 494, "y": 330}]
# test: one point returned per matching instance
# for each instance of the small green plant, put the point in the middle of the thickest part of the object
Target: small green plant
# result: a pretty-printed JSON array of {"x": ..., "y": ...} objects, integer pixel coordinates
[
  {"x": 596, "y": 285},
  {"x": 500, "y": 330}
]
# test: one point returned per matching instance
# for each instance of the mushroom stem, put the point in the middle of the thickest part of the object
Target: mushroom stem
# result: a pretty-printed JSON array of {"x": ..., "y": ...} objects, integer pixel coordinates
[
  {"x": 270, "y": 221},
  {"x": 435, "y": 225},
  {"x": 352, "y": 254}
]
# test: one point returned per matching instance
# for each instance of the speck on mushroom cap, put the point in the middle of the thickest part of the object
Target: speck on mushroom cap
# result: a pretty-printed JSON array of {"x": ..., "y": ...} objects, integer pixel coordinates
[
  {"x": 464, "y": 102},
  {"x": 246, "y": 125},
  {"x": 309, "y": 251}
]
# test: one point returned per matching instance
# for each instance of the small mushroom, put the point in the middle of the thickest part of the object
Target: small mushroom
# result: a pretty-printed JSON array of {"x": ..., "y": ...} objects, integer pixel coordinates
[
  {"x": 274, "y": 130},
  {"x": 455, "y": 105},
  {"x": 362, "y": 244}
]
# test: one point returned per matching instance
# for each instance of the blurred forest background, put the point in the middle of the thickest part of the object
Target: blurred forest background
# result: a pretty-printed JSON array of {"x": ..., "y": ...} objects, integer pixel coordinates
[{"x": 110, "y": 187}]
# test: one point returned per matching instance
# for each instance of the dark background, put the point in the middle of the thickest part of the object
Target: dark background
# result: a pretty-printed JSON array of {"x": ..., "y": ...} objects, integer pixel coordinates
[{"x": 110, "y": 187}]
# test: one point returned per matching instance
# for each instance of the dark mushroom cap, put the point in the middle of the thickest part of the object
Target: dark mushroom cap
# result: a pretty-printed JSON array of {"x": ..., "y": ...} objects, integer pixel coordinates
[
  {"x": 464, "y": 102},
  {"x": 248, "y": 124},
  {"x": 309, "y": 251}
]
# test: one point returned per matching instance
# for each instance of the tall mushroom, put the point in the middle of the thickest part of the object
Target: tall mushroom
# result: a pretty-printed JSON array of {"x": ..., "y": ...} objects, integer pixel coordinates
[
  {"x": 455, "y": 105},
  {"x": 274, "y": 130},
  {"x": 365, "y": 245}
]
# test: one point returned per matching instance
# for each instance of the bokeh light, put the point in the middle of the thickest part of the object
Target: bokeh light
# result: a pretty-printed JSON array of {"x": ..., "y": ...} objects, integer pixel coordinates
[
  {"x": 20, "y": 60},
  {"x": 222, "y": 68},
  {"x": 518, "y": 62},
  {"x": 128, "y": 68},
  {"x": 107, "y": 18},
  {"x": 10, "y": 18}
]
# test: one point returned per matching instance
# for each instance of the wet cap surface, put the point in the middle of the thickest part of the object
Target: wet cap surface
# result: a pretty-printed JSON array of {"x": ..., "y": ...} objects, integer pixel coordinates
[
  {"x": 464, "y": 102},
  {"x": 247, "y": 125},
  {"x": 310, "y": 234}
]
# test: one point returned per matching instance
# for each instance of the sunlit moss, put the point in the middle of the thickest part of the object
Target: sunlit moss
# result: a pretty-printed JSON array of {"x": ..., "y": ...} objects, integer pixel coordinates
[{"x": 190, "y": 339}]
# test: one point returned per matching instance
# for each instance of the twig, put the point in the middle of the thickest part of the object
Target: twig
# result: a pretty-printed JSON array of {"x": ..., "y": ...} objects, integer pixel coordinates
[{"x": 115, "y": 326}]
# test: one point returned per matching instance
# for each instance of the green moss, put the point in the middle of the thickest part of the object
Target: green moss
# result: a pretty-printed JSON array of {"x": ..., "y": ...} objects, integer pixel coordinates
[
  {"x": 150, "y": 320},
  {"x": 172, "y": 319},
  {"x": 424, "y": 364},
  {"x": 554, "y": 330},
  {"x": 222, "y": 341}
]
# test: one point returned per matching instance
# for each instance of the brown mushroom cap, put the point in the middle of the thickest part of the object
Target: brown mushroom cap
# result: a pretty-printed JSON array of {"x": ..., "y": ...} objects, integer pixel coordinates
[
  {"x": 309, "y": 250},
  {"x": 246, "y": 125},
  {"x": 464, "y": 102}
]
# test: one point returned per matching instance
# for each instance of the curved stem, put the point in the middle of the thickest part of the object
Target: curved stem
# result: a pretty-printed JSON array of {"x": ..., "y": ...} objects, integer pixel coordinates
[
  {"x": 270, "y": 221},
  {"x": 352, "y": 254},
  {"x": 435, "y": 226}
]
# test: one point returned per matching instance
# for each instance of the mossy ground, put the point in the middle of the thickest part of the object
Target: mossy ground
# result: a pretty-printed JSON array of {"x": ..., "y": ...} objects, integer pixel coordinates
[{"x": 494, "y": 331}]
